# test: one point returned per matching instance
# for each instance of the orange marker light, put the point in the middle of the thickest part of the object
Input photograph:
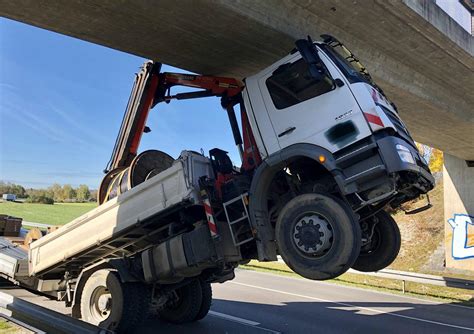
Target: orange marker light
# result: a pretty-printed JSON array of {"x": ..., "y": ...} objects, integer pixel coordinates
[{"x": 322, "y": 159}]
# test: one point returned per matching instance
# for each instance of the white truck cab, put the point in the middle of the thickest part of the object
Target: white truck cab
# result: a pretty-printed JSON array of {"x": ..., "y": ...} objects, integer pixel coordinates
[
  {"x": 340, "y": 117},
  {"x": 295, "y": 108}
]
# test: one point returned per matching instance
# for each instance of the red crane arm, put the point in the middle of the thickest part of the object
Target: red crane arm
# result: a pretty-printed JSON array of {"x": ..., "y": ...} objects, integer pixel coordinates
[
  {"x": 151, "y": 87},
  {"x": 218, "y": 86}
]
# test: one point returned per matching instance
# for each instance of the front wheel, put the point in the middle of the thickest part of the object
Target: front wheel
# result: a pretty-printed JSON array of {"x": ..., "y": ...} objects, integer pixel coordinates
[
  {"x": 318, "y": 236},
  {"x": 381, "y": 243}
]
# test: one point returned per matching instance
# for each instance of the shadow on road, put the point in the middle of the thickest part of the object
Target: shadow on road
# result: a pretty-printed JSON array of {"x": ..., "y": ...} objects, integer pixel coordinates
[
  {"x": 209, "y": 324},
  {"x": 287, "y": 314},
  {"x": 328, "y": 317}
]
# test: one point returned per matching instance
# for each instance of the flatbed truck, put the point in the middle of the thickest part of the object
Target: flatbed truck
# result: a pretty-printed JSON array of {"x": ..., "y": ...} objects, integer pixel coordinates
[{"x": 324, "y": 153}]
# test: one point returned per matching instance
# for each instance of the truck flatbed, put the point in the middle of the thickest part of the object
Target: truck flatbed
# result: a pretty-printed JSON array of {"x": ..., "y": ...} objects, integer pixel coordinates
[
  {"x": 122, "y": 226},
  {"x": 13, "y": 258}
]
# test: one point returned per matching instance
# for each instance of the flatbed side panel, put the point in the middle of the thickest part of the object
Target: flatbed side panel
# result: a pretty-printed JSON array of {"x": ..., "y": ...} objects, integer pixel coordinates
[
  {"x": 166, "y": 189},
  {"x": 8, "y": 265},
  {"x": 11, "y": 256}
]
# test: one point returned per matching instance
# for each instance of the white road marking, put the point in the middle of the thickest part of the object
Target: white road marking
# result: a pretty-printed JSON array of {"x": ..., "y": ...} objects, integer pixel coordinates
[
  {"x": 350, "y": 305},
  {"x": 235, "y": 319},
  {"x": 241, "y": 321},
  {"x": 367, "y": 290}
]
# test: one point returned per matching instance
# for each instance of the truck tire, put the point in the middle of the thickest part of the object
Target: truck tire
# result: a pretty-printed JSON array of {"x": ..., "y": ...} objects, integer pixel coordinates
[
  {"x": 206, "y": 290},
  {"x": 318, "y": 236},
  {"x": 108, "y": 303},
  {"x": 187, "y": 306},
  {"x": 384, "y": 246}
]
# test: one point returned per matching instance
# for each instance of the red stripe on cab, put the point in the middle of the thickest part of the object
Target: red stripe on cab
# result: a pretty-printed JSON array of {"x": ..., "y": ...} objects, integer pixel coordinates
[{"x": 374, "y": 119}]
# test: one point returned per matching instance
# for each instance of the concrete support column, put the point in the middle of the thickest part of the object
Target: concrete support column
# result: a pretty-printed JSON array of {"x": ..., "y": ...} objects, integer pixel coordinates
[{"x": 458, "y": 213}]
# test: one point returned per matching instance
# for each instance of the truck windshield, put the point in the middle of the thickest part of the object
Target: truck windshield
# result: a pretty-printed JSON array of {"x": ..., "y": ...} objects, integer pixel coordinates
[
  {"x": 354, "y": 70},
  {"x": 347, "y": 62}
]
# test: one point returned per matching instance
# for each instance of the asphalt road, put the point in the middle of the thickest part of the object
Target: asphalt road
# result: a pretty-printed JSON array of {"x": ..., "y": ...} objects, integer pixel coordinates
[{"x": 264, "y": 303}]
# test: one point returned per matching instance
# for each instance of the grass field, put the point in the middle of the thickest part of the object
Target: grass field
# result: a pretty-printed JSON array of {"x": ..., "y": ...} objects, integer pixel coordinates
[
  {"x": 6, "y": 327},
  {"x": 421, "y": 234},
  {"x": 56, "y": 214}
]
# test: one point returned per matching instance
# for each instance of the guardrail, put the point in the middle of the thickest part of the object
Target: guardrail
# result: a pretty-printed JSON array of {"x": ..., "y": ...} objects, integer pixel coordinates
[
  {"x": 38, "y": 225},
  {"x": 406, "y": 276},
  {"x": 44, "y": 319}
]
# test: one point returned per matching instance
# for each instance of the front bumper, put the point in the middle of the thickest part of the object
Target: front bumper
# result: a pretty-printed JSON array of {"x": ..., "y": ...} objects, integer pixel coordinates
[
  {"x": 418, "y": 172},
  {"x": 372, "y": 171}
]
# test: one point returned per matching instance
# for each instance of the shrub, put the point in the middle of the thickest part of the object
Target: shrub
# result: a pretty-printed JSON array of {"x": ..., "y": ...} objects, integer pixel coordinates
[{"x": 42, "y": 199}]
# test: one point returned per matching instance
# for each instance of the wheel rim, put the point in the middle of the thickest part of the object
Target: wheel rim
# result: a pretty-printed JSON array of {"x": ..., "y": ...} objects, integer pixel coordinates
[
  {"x": 373, "y": 237},
  {"x": 312, "y": 235},
  {"x": 101, "y": 304},
  {"x": 372, "y": 245}
]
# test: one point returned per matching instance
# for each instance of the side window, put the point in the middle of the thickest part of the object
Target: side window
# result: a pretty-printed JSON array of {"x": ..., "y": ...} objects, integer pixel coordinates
[{"x": 292, "y": 83}]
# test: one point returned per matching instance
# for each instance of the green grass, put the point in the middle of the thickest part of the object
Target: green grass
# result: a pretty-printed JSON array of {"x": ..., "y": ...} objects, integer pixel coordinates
[
  {"x": 56, "y": 214},
  {"x": 4, "y": 324},
  {"x": 6, "y": 327},
  {"x": 421, "y": 234}
]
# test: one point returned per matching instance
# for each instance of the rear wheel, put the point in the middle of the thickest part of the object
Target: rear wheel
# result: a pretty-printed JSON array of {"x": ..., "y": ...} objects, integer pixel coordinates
[
  {"x": 206, "y": 290},
  {"x": 108, "y": 303},
  {"x": 381, "y": 245},
  {"x": 318, "y": 236},
  {"x": 185, "y": 306}
]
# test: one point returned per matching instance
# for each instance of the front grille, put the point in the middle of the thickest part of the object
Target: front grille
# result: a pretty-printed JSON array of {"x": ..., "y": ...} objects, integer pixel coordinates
[{"x": 402, "y": 130}]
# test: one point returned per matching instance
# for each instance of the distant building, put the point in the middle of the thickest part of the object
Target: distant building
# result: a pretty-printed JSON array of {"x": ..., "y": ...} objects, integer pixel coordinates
[{"x": 9, "y": 197}]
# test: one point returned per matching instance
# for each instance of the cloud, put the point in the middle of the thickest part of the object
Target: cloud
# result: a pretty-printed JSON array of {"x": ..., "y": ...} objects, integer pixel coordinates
[
  {"x": 80, "y": 130},
  {"x": 15, "y": 107},
  {"x": 18, "y": 116}
]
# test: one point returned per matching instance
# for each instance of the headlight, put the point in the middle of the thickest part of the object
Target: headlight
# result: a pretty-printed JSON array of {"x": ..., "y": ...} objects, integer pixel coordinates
[{"x": 405, "y": 154}]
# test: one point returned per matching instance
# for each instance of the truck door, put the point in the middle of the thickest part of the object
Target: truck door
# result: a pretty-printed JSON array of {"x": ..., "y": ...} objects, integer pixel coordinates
[{"x": 303, "y": 110}]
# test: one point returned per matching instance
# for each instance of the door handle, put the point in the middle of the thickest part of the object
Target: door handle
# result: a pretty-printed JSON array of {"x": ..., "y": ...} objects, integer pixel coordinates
[{"x": 287, "y": 132}]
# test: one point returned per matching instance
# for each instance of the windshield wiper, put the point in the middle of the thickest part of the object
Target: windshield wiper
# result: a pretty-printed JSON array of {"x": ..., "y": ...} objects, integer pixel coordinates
[{"x": 333, "y": 43}]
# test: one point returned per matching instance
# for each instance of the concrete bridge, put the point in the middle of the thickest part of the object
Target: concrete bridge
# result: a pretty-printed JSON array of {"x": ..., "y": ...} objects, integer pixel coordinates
[{"x": 419, "y": 55}]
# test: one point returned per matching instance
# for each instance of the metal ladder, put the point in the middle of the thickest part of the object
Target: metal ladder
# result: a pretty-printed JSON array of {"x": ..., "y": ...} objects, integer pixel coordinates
[{"x": 238, "y": 219}]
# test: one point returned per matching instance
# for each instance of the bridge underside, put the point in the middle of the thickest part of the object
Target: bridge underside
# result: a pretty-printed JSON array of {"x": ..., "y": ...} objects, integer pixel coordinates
[{"x": 420, "y": 57}]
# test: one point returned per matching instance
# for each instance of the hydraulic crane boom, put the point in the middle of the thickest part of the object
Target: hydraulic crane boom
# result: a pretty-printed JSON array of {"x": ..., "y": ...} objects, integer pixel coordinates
[{"x": 152, "y": 87}]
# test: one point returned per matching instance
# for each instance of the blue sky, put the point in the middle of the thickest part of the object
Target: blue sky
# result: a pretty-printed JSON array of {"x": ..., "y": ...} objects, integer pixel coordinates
[
  {"x": 457, "y": 11},
  {"x": 62, "y": 101}
]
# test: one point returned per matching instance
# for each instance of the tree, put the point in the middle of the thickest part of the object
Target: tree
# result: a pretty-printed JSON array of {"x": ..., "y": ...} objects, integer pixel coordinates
[
  {"x": 68, "y": 192},
  {"x": 39, "y": 196},
  {"x": 425, "y": 151},
  {"x": 432, "y": 156},
  {"x": 93, "y": 196},
  {"x": 436, "y": 161},
  {"x": 18, "y": 190},
  {"x": 82, "y": 193},
  {"x": 11, "y": 188},
  {"x": 57, "y": 192}
]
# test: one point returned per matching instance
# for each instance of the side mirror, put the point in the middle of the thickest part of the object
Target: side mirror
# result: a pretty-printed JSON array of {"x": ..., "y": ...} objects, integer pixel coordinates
[{"x": 309, "y": 52}]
